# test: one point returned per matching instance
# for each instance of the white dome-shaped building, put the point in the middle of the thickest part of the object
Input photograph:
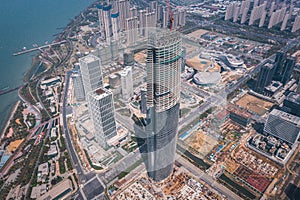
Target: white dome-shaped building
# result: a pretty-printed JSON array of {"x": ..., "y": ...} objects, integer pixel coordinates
[{"x": 207, "y": 78}]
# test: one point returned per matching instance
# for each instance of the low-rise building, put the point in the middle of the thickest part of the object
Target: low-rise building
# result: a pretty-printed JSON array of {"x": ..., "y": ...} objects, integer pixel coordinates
[
  {"x": 38, "y": 191},
  {"x": 59, "y": 191},
  {"x": 239, "y": 116},
  {"x": 53, "y": 133},
  {"x": 43, "y": 169},
  {"x": 52, "y": 151}
]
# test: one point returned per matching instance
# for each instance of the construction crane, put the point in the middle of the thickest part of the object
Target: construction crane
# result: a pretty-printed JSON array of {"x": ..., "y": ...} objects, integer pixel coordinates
[{"x": 171, "y": 18}]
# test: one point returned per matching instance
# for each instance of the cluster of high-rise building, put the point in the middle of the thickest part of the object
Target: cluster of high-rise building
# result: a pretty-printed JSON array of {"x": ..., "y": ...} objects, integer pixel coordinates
[
  {"x": 265, "y": 13},
  {"x": 117, "y": 16},
  {"x": 88, "y": 85},
  {"x": 280, "y": 70},
  {"x": 160, "y": 101},
  {"x": 100, "y": 100}
]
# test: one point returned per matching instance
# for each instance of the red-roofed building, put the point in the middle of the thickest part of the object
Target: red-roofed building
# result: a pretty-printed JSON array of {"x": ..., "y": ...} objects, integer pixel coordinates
[{"x": 238, "y": 115}]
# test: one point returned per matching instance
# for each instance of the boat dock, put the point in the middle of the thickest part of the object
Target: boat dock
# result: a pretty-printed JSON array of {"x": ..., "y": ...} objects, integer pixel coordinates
[
  {"x": 38, "y": 48},
  {"x": 3, "y": 92}
]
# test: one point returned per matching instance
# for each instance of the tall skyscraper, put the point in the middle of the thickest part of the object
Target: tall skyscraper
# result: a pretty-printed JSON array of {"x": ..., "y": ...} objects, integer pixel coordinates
[
  {"x": 133, "y": 12},
  {"x": 182, "y": 17},
  {"x": 109, "y": 20},
  {"x": 153, "y": 6},
  {"x": 100, "y": 17},
  {"x": 262, "y": 19},
  {"x": 124, "y": 9},
  {"x": 271, "y": 9},
  {"x": 257, "y": 13},
  {"x": 279, "y": 64},
  {"x": 132, "y": 30},
  {"x": 229, "y": 11},
  {"x": 285, "y": 21},
  {"x": 165, "y": 17},
  {"x": 265, "y": 77},
  {"x": 78, "y": 85},
  {"x": 91, "y": 73},
  {"x": 142, "y": 21},
  {"x": 150, "y": 22},
  {"x": 159, "y": 12},
  {"x": 115, "y": 25},
  {"x": 127, "y": 83},
  {"x": 298, "y": 88},
  {"x": 277, "y": 17},
  {"x": 175, "y": 19},
  {"x": 296, "y": 25},
  {"x": 163, "y": 93},
  {"x": 283, "y": 67},
  {"x": 288, "y": 69},
  {"x": 107, "y": 8},
  {"x": 236, "y": 13},
  {"x": 102, "y": 111},
  {"x": 244, "y": 10}
]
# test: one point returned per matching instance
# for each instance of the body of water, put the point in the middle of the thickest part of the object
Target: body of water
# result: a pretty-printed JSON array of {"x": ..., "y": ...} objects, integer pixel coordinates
[{"x": 22, "y": 24}]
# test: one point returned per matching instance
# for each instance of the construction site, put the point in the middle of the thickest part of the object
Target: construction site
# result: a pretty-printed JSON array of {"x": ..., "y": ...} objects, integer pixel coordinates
[
  {"x": 201, "y": 142},
  {"x": 254, "y": 104},
  {"x": 180, "y": 185}
]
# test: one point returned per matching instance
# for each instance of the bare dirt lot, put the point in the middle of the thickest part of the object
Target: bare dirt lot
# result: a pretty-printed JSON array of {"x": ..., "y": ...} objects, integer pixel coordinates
[
  {"x": 254, "y": 104},
  {"x": 201, "y": 142}
]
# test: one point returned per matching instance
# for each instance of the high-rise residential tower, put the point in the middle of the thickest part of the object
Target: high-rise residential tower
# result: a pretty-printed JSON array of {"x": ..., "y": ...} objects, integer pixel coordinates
[
  {"x": 132, "y": 30},
  {"x": 126, "y": 83},
  {"x": 124, "y": 9},
  {"x": 107, "y": 21},
  {"x": 296, "y": 25},
  {"x": 229, "y": 11},
  {"x": 164, "y": 59},
  {"x": 102, "y": 111},
  {"x": 165, "y": 17},
  {"x": 91, "y": 73}
]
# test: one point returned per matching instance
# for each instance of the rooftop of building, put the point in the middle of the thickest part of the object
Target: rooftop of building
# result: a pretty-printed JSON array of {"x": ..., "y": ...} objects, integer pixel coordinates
[
  {"x": 269, "y": 65},
  {"x": 38, "y": 190},
  {"x": 293, "y": 97},
  {"x": 283, "y": 125},
  {"x": 125, "y": 71},
  {"x": 286, "y": 116},
  {"x": 43, "y": 168},
  {"x": 238, "y": 111},
  {"x": 113, "y": 76},
  {"x": 53, "y": 150},
  {"x": 222, "y": 114},
  {"x": 89, "y": 58},
  {"x": 160, "y": 39},
  {"x": 100, "y": 93},
  {"x": 274, "y": 86},
  {"x": 207, "y": 78},
  {"x": 50, "y": 80},
  {"x": 59, "y": 190}
]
